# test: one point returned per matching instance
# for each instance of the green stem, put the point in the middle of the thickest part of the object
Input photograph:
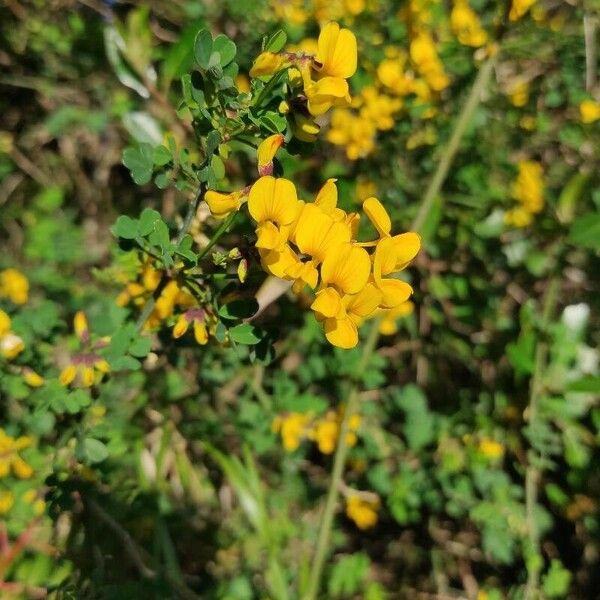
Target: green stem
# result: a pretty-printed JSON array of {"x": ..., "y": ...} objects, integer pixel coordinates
[
  {"x": 532, "y": 473},
  {"x": 269, "y": 86},
  {"x": 464, "y": 118},
  {"x": 339, "y": 462},
  {"x": 217, "y": 235}
]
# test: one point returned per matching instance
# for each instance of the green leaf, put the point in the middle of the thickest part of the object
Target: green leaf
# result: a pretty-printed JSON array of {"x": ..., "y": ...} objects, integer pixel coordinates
[
  {"x": 419, "y": 426},
  {"x": 91, "y": 451},
  {"x": 126, "y": 228},
  {"x": 213, "y": 139},
  {"x": 589, "y": 383},
  {"x": 585, "y": 232},
  {"x": 203, "y": 47},
  {"x": 140, "y": 162},
  {"x": 140, "y": 347},
  {"x": 148, "y": 220},
  {"x": 276, "y": 42},
  {"x": 557, "y": 581},
  {"x": 179, "y": 56},
  {"x": 521, "y": 353},
  {"x": 238, "y": 309},
  {"x": 162, "y": 156},
  {"x": 226, "y": 49},
  {"x": 245, "y": 334},
  {"x": 347, "y": 575}
]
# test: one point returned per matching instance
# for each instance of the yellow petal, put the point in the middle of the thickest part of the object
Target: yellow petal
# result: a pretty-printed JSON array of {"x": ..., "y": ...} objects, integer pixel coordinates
[
  {"x": 80, "y": 325},
  {"x": 305, "y": 129},
  {"x": 394, "y": 292},
  {"x": 326, "y": 93},
  {"x": 316, "y": 232},
  {"x": 266, "y": 63},
  {"x": 342, "y": 333},
  {"x": 277, "y": 262},
  {"x": 200, "y": 332},
  {"x": 87, "y": 376},
  {"x": 273, "y": 200},
  {"x": 267, "y": 149},
  {"x": 220, "y": 204},
  {"x": 180, "y": 327},
  {"x": 328, "y": 303},
  {"x": 32, "y": 378},
  {"x": 346, "y": 267},
  {"x": 67, "y": 375},
  {"x": 337, "y": 51},
  {"x": 327, "y": 197},
  {"x": 406, "y": 246},
  {"x": 268, "y": 236},
  {"x": 5, "y": 323},
  {"x": 365, "y": 302},
  {"x": 102, "y": 366},
  {"x": 377, "y": 214}
]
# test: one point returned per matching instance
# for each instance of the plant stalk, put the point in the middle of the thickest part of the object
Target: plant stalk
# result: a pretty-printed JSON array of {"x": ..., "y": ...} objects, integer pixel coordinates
[
  {"x": 339, "y": 462},
  {"x": 466, "y": 114}
]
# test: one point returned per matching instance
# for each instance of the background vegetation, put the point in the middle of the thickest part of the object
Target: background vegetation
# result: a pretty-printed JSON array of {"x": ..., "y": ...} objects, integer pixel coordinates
[{"x": 202, "y": 471}]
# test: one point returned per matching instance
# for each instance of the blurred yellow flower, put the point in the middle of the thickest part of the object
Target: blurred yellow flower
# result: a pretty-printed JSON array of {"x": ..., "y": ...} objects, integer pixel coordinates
[
  {"x": 390, "y": 317},
  {"x": 491, "y": 448},
  {"x": 518, "y": 8},
  {"x": 589, "y": 111},
  {"x": 14, "y": 286},
  {"x": 466, "y": 25},
  {"x": 363, "y": 511},
  {"x": 7, "y": 500},
  {"x": 11, "y": 345},
  {"x": 10, "y": 458}
]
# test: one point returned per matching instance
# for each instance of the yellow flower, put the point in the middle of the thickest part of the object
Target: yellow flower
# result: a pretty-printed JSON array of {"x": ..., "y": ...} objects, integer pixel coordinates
[
  {"x": 32, "y": 378},
  {"x": 337, "y": 53},
  {"x": 491, "y": 449},
  {"x": 354, "y": 132},
  {"x": 589, "y": 111},
  {"x": 392, "y": 74},
  {"x": 11, "y": 345},
  {"x": 10, "y": 458},
  {"x": 378, "y": 108},
  {"x": 292, "y": 428},
  {"x": 14, "y": 286},
  {"x": 267, "y": 63},
  {"x": 365, "y": 188},
  {"x": 362, "y": 511},
  {"x": 197, "y": 317},
  {"x": 528, "y": 188},
  {"x": 290, "y": 11},
  {"x": 519, "y": 8},
  {"x": 424, "y": 55},
  {"x": 519, "y": 93},
  {"x": 518, "y": 217},
  {"x": 466, "y": 25},
  {"x": 221, "y": 205},
  {"x": 242, "y": 83},
  {"x": 346, "y": 268},
  {"x": 80, "y": 325},
  {"x": 7, "y": 500},
  {"x": 389, "y": 317},
  {"x": 334, "y": 62},
  {"x": 86, "y": 368},
  {"x": 326, "y": 434},
  {"x": 266, "y": 152},
  {"x": 327, "y": 93}
]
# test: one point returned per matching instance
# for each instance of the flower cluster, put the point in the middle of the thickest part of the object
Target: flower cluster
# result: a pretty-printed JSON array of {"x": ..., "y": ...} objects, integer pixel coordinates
[
  {"x": 528, "y": 191},
  {"x": 324, "y": 431},
  {"x": 318, "y": 81},
  {"x": 86, "y": 367},
  {"x": 314, "y": 244}
]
